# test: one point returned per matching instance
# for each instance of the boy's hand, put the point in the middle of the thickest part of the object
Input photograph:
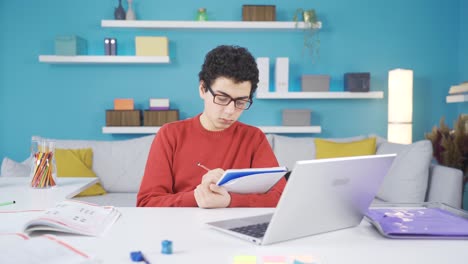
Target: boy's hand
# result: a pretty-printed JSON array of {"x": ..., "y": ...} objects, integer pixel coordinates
[
  {"x": 212, "y": 176},
  {"x": 208, "y": 194}
]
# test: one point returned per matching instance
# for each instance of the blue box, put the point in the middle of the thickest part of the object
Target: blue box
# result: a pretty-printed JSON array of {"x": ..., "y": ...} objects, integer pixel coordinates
[
  {"x": 357, "y": 82},
  {"x": 70, "y": 45}
]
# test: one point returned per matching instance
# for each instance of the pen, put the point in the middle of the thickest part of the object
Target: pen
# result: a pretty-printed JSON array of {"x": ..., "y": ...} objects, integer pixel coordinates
[
  {"x": 203, "y": 166},
  {"x": 7, "y": 203},
  {"x": 138, "y": 256}
]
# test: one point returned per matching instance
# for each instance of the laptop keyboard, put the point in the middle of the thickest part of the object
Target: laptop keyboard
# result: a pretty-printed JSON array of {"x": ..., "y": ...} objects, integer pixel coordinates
[{"x": 257, "y": 230}]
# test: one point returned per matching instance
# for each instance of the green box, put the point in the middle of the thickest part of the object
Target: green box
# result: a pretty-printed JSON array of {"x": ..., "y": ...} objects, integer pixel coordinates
[{"x": 70, "y": 45}]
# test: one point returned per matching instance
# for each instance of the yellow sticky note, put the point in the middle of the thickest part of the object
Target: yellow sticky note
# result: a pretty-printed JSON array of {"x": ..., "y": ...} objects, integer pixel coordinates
[
  {"x": 245, "y": 260},
  {"x": 151, "y": 46}
]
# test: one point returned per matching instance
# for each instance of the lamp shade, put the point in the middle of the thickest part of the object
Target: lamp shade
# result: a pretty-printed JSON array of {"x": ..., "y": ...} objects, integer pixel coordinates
[{"x": 400, "y": 106}]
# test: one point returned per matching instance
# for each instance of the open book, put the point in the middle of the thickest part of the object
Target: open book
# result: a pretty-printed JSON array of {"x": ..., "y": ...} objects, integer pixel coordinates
[
  {"x": 254, "y": 180},
  {"x": 75, "y": 217}
]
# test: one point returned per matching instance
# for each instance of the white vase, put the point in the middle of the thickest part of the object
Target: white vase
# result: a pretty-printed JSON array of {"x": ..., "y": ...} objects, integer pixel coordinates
[{"x": 130, "y": 13}]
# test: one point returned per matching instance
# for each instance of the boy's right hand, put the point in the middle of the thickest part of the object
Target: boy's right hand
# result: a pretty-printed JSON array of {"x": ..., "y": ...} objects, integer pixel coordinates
[{"x": 212, "y": 176}]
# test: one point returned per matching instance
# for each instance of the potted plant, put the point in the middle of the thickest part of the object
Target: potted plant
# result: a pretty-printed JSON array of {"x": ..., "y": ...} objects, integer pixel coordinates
[
  {"x": 311, "y": 37},
  {"x": 450, "y": 146}
]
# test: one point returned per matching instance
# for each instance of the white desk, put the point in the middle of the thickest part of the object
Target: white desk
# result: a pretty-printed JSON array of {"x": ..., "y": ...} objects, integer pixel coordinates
[
  {"x": 144, "y": 229},
  {"x": 27, "y": 198}
]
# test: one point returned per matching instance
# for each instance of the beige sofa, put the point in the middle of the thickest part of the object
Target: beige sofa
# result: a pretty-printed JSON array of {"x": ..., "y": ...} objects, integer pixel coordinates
[{"x": 413, "y": 178}]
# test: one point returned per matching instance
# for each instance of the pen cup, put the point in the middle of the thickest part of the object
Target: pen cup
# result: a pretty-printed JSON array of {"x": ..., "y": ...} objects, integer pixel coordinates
[{"x": 43, "y": 168}]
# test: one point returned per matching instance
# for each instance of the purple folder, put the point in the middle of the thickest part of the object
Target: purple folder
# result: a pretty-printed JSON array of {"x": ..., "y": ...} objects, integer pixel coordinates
[{"x": 418, "y": 222}]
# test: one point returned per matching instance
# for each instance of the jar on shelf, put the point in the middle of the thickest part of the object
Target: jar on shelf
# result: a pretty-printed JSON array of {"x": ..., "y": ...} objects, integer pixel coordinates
[
  {"x": 201, "y": 14},
  {"x": 43, "y": 168}
]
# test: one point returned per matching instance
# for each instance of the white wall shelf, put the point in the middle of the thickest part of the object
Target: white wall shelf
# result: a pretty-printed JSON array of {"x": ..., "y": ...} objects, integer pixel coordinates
[
  {"x": 291, "y": 129},
  {"x": 54, "y": 59},
  {"x": 457, "y": 98},
  {"x": 265, "y": 129},
  {"x": 321, "y": 95},
  {"x": 170, "y": 24}
]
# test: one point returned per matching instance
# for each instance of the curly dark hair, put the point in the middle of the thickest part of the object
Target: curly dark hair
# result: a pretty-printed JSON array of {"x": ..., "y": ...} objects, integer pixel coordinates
[{"x": 233, "y": 62}]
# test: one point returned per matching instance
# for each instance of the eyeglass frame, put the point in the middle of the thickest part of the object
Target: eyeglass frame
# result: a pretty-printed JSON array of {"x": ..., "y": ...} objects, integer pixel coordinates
[{"x": 249, "y": 100}]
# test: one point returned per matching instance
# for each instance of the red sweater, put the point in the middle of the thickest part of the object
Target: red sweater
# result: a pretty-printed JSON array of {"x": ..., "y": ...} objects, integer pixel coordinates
[{"x": 172, "y": 174}]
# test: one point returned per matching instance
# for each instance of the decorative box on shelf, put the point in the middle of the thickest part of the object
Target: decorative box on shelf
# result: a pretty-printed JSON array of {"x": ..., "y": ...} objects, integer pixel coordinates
[
  {"x": 123, "y": 118},
  {"x": 259, "y": 13},
  {"x": 124, "y": 104},
  {"x": 296, "y": 117},
  {"x": 159, "y": 117},
  {"x": 151, "y": 46},
  {"x": 357, "y": 82},
  {"x": 70, "y": 45},
  {"x": 315, "y": 83}
]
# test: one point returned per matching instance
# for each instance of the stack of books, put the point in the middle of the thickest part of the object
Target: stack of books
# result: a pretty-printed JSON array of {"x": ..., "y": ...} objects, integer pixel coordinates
[
  {"x": 458, "y": 93},
  {"x": 462, "y": 88}
]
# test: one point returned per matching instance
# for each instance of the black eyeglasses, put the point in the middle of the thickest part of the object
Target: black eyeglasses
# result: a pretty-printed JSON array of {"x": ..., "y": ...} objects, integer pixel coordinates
[{"x": 221, "y": 99}]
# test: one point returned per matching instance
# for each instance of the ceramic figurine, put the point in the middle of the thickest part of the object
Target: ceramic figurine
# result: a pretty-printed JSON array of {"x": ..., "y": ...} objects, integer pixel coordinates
[
  {"x": 119, "y": 13},
  {"x": 130, "y": 12}
]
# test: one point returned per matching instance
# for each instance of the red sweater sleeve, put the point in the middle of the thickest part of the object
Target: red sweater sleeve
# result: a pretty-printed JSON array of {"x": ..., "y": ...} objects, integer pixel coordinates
[{"x": 156, "y": 188}]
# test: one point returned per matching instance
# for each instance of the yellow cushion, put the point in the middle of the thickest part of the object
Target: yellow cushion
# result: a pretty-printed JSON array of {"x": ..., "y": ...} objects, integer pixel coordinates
[
  {"x": 77, "y": 163},
  {"x": 329, "y": 149}
]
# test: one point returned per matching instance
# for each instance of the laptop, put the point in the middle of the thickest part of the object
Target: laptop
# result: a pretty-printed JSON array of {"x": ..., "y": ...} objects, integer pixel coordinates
[{"x": 320, "y": 196}]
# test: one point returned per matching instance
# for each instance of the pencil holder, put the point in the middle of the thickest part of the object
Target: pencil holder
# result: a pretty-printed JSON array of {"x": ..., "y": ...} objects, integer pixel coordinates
[{"x": 43, "y": 167}]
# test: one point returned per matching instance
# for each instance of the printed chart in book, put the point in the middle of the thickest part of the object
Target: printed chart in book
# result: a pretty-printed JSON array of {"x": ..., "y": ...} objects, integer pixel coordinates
[
  {"x": 253, "y": 180},
  {"x": 432, "y": 220},
  {"x": 75, "y": 217},
  {"x": 20, "y": 248}
]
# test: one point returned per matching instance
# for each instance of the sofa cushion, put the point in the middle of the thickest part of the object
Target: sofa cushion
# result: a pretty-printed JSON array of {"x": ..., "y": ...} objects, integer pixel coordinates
[
  {"x": 119, "y": 164},
  {"x": 77, "y": 163},
  {"x": 11, "y": 168},
  {"x": 288, "y": 150},
  {"x": 329, "y": 149},
  {"x": 119, "y": 199},
  {"x": 270, "y": 138},
  {"x": 407, "y": 179}
]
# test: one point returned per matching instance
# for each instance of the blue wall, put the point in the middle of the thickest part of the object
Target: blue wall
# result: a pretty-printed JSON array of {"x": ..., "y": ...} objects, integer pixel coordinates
[
  {"x": 463, "y": 55},
  {"x": 69, "y": 101}
]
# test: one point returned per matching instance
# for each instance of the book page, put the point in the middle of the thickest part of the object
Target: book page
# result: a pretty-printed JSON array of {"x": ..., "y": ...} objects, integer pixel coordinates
[
  {"x": 232, "y": 174},
  {"x": 254, "y": 180},
  {"x": 43, "y": 249},
  {"x": 75, "y": 217}
]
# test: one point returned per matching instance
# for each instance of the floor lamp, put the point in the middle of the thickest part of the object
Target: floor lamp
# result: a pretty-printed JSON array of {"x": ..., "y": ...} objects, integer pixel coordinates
[{"x": 400, "y": 106}]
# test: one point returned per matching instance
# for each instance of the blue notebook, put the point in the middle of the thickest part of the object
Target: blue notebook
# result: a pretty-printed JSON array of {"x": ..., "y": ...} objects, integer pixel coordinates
[
  {"x": 254, "y": 180},
  {"x": 422, "y": 222}
]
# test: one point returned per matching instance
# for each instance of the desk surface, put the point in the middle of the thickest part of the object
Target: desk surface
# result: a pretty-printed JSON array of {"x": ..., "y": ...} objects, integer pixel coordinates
[
  {"x": 27, "y": 198},
  {"x": 193, "y": 242}
]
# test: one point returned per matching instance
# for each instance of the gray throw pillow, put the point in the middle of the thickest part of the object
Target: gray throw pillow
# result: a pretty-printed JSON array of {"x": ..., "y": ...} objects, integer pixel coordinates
[
  {"x": 119, "y": 164},
  {"x": 11, "y": 168},
  {"x": 407, "y": 180}
]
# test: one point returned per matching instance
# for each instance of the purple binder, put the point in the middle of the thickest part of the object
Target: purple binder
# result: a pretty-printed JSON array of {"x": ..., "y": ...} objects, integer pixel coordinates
[{"x": 422, "y": 222}]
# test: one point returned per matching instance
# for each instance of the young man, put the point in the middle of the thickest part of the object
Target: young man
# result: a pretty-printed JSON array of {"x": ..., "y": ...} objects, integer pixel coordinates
[{"x": 214, "y": 139}]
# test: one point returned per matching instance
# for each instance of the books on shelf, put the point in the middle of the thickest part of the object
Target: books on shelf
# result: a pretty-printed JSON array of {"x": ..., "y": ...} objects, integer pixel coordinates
[
  {"x": 75, "y": 217},
  {"x": 460, "y": 88},
  {"x": 20, "y": 248},
  {"x": 439, "y": 221},
  {"x": 252, "y": 180}
]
